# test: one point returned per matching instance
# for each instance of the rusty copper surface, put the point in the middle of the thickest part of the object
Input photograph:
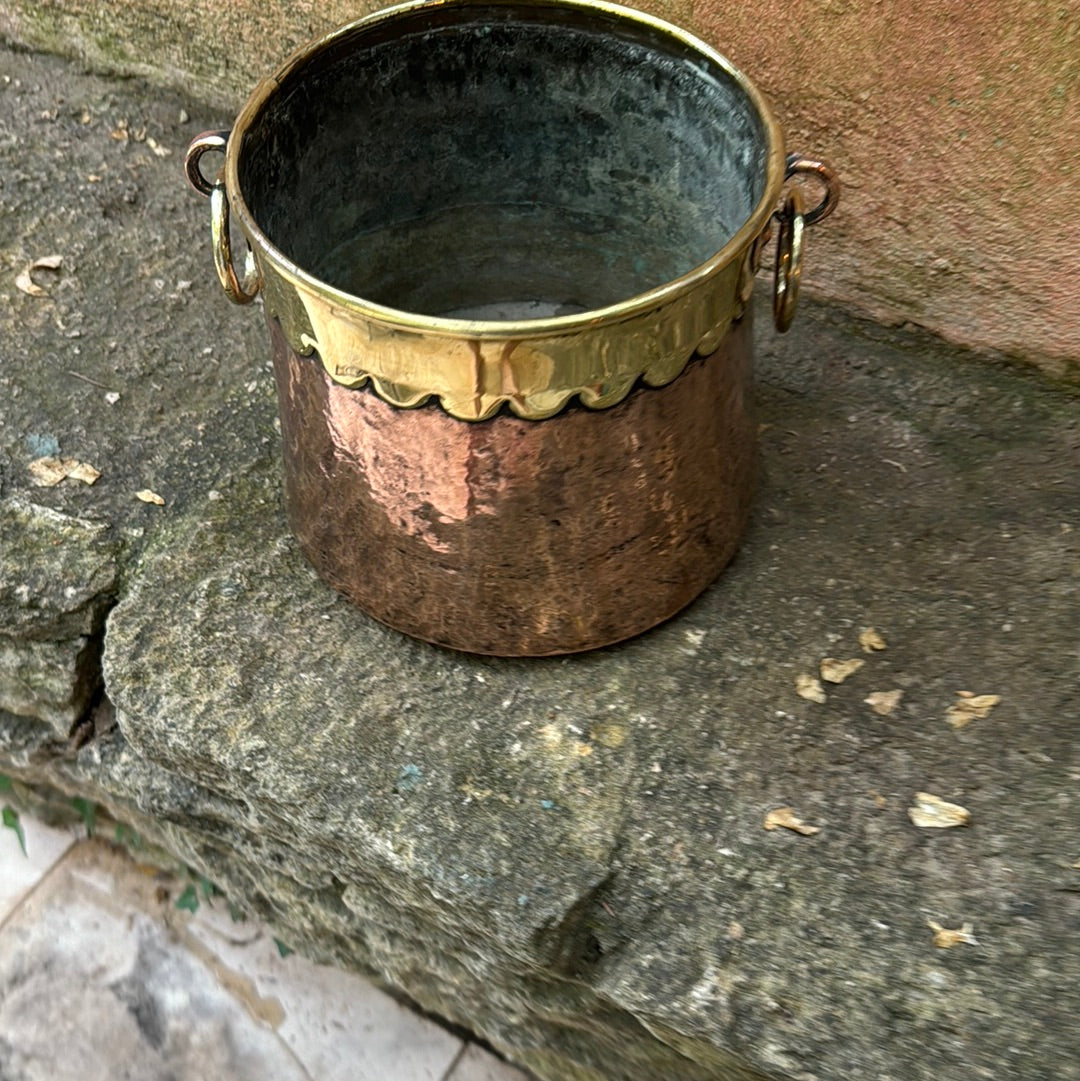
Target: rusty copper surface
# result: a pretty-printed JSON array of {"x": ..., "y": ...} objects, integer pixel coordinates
[{"x": 516, "y": 537}]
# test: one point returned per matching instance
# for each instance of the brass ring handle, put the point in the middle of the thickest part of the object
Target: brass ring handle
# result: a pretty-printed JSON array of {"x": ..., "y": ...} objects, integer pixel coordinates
[
  {"x": 201, "y": 144},
  {"x": 789, "y": 248},
  {"x": 824, "y": 173},
  {"x": 237, "y": 290}
]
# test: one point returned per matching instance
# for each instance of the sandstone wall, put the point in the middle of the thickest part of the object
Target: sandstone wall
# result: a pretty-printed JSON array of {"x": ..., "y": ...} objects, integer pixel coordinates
[{"x": 954, "y": 125}]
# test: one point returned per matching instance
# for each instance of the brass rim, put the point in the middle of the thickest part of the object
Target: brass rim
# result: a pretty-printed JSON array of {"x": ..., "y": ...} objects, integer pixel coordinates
[{"x": 517, "y": 330}]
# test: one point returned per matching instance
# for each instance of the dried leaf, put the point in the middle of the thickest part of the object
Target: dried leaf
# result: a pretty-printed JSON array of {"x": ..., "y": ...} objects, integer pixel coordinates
[
  {"x": 834, "y": 671},
  {"x": 810, "y": 688},
  {"x": 49, "y": 472},
  {"x": 884, "y": 703},
  {"x": 26, "y": 284},
  {"x": 148, "y": 496},
  {"x": 786, "y": 817},
  {"x": 932, "y": 812},
  {"x": 945, "y": 939},
  {"x": 871, "y": 641},
  {"x": 970, "y": 707},
  {"x": 157, "y": 148}
]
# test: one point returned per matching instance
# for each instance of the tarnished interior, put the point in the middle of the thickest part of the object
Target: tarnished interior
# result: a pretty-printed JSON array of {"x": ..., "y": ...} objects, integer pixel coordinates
[{"x": 503, "y": 162}]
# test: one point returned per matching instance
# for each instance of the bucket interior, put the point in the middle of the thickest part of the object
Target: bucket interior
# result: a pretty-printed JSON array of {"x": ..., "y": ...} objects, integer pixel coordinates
[{"x": 505, "y": 161}]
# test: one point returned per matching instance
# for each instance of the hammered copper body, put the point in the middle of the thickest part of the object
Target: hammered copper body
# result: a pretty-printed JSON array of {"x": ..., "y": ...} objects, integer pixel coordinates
[
  {"x": 505, "y": 249},
  {"x": 519, "y": 537}
]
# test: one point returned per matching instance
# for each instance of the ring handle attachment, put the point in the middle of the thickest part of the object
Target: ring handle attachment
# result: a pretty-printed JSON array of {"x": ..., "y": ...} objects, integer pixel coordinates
[
  {"x": 789, "y": 249},
  {"x": 240, "y": 290},
  {"x": 809, "y": 167},
  {"x": 200, "y": 145},
  {"x": 793, "y": 218}
]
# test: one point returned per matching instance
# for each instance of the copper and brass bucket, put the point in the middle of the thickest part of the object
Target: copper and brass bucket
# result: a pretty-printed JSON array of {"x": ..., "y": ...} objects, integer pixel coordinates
[{"x": 505, "y": 249}]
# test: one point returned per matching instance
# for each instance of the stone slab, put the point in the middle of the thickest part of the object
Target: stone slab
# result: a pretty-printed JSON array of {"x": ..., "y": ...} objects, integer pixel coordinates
[
  {"x": 132, "y": 360},
  {"x": 58, "y": 578},
  {"x": 50, "y": 681},
  {"x": 122, "y": 362},
  {"x": 58, "y": 573},
  {"x": 568, "y": 856}
]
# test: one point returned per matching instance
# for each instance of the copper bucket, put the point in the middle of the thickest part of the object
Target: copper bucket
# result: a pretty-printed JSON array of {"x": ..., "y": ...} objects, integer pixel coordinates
[{"x": 505, "y": 249}]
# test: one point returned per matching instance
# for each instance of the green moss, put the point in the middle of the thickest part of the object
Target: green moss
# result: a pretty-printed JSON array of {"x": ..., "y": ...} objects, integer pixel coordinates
[
  {"x": 40, "y": 28},
  {"x": 112, "y": 48}
]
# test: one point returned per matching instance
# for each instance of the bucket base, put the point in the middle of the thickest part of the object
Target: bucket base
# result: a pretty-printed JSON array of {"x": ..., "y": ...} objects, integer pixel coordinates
[{"x": 515, "y": 537}]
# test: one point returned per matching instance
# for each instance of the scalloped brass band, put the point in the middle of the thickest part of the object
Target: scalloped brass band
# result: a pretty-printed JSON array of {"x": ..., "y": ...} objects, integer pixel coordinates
[
  {"x": 534, "y": 374},
  {"x": 533, "y": 366}
]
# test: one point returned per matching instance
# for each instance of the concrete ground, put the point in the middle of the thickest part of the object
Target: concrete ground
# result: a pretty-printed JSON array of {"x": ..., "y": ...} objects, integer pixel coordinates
[{"x": 103, "y": 976}]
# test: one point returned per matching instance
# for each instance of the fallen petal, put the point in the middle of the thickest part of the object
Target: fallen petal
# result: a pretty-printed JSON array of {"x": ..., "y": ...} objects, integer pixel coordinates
[
  {"x": 932, "y": 812},
  {"x": 982, "y": 701},
  {"x": 945, "y": 939},
  {"x": 24, "y": 284},
  {"x": 46, "y": 472},
  {"x": 49, "y": 472},
  {"x": 810, "y": 688},
  {"x": 787, "y": 818},
  {"x": 834, "y": 671},
  {"x": 884, "y": 703},
  {"x": 83, "y": 471},
  {"x": 970, "y": 707},
  {"x": 148, "y": 496}
]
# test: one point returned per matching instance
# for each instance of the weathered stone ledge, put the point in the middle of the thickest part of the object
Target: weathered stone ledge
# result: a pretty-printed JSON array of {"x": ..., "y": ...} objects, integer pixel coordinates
[{"x": 566, "y": 856}]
